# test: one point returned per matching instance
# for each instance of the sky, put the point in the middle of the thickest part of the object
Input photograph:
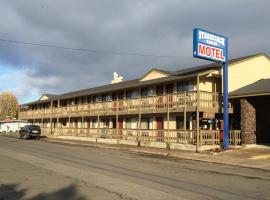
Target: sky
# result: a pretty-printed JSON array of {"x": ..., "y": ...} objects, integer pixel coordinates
[{"x": 161, "y": 28}]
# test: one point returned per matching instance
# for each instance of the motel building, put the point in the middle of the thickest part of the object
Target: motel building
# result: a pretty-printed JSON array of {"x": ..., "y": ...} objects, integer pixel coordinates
[{"x": 166, "y": 109}]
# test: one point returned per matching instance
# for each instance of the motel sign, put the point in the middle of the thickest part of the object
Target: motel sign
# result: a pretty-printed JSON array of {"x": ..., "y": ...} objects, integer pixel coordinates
[{"x": 209, "y": 46}]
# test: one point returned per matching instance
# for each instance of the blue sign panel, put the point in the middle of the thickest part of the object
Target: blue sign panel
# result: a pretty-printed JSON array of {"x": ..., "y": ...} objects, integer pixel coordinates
[{"x": 209, "y": 46}]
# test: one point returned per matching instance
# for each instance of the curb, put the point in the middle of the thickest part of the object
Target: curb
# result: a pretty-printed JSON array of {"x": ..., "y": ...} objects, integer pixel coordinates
[{"x": 165, "y": 155}]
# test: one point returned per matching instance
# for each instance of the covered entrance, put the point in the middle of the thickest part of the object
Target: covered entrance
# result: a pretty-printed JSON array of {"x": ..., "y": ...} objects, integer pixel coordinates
[
  {"x": 262, "y": 107},
  {"x": 252, "y": 112}
]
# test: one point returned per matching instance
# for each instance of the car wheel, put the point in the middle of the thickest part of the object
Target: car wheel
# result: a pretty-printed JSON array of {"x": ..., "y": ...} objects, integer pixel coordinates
[{"x": 25, "y": 137}]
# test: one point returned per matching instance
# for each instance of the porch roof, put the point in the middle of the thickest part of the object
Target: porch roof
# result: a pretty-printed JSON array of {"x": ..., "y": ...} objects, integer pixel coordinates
[{"x": 258, "y": 88}]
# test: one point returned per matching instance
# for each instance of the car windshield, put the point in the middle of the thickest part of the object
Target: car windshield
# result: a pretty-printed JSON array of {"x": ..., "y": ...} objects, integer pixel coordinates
[
  {"x": 34, "y": 128},
  {"x": 25, "y": 127}
]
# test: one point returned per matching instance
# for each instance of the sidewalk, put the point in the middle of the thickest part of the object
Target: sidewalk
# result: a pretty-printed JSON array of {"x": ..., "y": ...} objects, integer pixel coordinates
[{"x": 252, "y": 157}]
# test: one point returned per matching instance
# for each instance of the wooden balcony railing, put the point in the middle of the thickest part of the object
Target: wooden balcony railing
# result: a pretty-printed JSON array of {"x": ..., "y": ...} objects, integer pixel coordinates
[
  {"x": 206, "y": 137},
  {"x": 155, "y": 104},
  {"x": 214, "y": 137}
]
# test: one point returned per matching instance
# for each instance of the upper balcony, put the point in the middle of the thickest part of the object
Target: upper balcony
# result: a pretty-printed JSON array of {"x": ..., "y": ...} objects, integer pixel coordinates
[{"x": 176, "y": 102}]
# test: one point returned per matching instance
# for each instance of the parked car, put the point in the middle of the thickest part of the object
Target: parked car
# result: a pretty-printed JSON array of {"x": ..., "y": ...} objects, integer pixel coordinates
[{"x": 30, "y": 131}]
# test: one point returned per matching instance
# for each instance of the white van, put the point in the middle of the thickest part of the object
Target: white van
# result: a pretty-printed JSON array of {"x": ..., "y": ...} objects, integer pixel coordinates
[{"x": 12, "y": 126}]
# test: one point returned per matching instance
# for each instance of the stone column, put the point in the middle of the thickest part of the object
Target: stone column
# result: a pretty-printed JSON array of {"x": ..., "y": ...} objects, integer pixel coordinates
[{"x": 248, "y": 122}]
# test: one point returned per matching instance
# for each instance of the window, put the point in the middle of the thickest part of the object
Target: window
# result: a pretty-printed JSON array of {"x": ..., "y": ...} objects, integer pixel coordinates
[
  {"x": 180, "y": 122},
  {"x": 129, "y": 94},
  {"x": 83, "y": 100},
  {"x": 128, "y": 123},
  {"x": 113, "y": 123},
  {"x": 106, "y": 97},
  {"x": 145, "y": 123},
  {"x": 185, "y": 86},
  {"x": 169, "y": 88},
  {"x": 114, "y": 96},
  {"x": 64, "y": 123},
  {"x": 89, "y": 99},
  {"x": 145, "y": 92},
  {"x": 94, "y": 123},
  {"x": 131, "y": 123},
  {"x": 105, "y": 123},
  {"x": 121, "y": 95},
  {"x": 95, "y": 99}
]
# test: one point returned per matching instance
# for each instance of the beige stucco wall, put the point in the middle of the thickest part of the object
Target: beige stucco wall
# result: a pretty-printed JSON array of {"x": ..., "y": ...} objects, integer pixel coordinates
[
  {"x": 210, "y": 84},
  {"x": 249, "y": 71},
  {"x": 153, "y": 75}
]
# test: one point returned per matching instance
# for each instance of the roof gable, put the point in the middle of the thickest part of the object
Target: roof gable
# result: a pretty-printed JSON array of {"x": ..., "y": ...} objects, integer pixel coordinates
[
  {"x": 154, "y": 74},
  {"x": 47, "y": 97},
  {"x": 44, "y": 97}
]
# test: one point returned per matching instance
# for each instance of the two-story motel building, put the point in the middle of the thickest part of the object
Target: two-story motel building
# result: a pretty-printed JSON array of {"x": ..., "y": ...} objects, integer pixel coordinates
[{"x": 175, "y": 108}]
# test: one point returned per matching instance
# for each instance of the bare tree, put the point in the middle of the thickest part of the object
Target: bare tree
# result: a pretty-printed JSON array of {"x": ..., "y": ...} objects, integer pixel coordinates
[{"x": 9, "y": 105}]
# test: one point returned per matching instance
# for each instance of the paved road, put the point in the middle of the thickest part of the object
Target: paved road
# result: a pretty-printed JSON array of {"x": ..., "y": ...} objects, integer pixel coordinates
[{"x": 40, "y": 170}]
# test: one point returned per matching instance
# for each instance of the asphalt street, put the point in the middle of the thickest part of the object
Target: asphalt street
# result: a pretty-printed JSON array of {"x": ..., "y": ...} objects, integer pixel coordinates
[{"x": 38, "y": 169}]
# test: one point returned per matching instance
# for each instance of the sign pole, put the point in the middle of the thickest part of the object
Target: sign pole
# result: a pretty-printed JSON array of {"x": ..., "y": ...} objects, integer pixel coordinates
[
  {"x": 214, "y": 47},
  {"x": 225, "y": 101}
]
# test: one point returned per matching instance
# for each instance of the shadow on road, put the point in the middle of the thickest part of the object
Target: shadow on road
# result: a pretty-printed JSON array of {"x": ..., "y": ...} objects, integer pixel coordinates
[{"x": 12, "y": 192}]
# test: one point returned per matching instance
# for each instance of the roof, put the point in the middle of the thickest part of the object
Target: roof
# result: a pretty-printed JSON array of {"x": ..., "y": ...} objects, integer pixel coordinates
[
  {"x": 173, "y": 75},
  {"x": 111, "y": 87},
  {"x": 259, "y": 88}
]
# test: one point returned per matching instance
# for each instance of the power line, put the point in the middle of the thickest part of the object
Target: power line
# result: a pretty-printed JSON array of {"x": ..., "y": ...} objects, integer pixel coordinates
[{"x": 93, "y": 50}]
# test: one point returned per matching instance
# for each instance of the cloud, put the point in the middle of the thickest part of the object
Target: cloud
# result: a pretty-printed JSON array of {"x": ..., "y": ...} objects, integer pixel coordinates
[{"x": 143, "y": 26}]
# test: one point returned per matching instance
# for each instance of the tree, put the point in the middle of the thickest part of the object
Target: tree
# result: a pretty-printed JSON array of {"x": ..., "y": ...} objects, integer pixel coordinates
[{"x": 9, "y": 105}]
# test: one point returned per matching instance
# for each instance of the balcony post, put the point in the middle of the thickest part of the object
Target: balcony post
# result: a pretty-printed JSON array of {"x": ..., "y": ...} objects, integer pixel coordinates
[
  {"x": 140, "y": 119},
  {"x": 168, "y": 118},
  {"x": 51, "y": 117},
  {"x": 68, "y": 124},
  {"x": 76, "y": 126},
  {"x": 185, "y": 111},
  {"x": 98, "y": 125},
  {"x": 197, "y": 115},
  {"x": 57, "y": 124},
  {"x": 82, "y": 124},
  {"x": 233, "y": 134},
  {"x": 58, "y": 113},
  {"x": 116, "y": 118},
  {"x": 89, "y": 108}
]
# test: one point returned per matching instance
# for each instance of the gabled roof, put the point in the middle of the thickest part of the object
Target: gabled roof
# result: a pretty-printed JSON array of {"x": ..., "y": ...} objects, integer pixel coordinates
[{"x": 259, "y": 88}]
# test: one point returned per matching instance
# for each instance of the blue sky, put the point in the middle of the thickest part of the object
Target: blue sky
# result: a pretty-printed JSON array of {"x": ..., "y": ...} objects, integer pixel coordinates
[{"x": 9, "y": 78}]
